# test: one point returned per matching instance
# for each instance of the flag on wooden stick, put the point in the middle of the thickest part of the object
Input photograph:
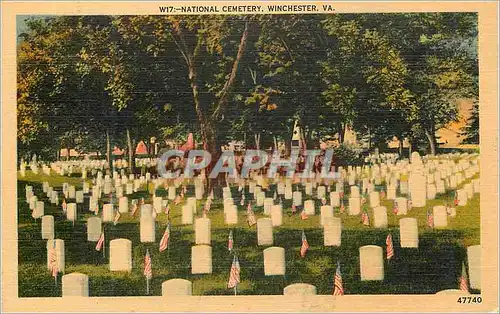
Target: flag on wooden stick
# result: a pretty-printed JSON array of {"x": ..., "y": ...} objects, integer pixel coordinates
[
  {"x": 234, "y": 274},
  {"x": 430, "y": 219},
  {"x": 148, "y": 270},
  {"x": 305, "y": 245},
  {"x": 338, "y": 286},
  {"x": 463, "y": 280},
  {"x": 230, "y": 241},
  {"x": 389, "y": 247},
  {"x": 118, "y": 215},
  {"x": 165, "y": 238},
  {"x": 395, "y": 208},
  {"x": 365, "y": 219},
  {"x": 251, "y": 219},
  {"x": 53, "y": 261},
  {"x": 100, "y": 242}
]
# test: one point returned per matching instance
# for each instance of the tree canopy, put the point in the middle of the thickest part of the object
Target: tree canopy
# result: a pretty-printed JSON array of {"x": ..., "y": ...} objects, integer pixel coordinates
[{"x": 87, "y": 81}]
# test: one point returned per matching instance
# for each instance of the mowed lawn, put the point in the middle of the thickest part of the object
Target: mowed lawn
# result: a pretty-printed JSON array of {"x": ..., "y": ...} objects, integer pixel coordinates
[{"x": 434, "y": 266}]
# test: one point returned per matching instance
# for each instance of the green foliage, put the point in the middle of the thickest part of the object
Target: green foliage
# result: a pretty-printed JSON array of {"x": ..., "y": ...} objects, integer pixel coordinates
[
  {"x": 345, "y": 155},
  {"x": 384, "y": 75},
  {"x": 471, "y": 129}
]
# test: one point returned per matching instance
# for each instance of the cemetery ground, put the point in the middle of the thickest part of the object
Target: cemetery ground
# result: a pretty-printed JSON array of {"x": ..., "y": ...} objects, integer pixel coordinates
[{"x": 434, "y": 266}]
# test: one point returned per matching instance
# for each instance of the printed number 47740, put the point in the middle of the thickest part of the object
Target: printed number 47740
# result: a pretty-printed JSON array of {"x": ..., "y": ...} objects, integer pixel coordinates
[{"x": 469, "y": 300}]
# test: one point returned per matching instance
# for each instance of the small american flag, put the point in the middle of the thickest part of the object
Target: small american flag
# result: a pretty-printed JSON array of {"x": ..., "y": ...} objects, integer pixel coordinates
[
  {"x": 342, "y": 207},
  {"x": 100, "y": 242},
  {"x": 230, "y": 241},
  {"x": 463, "y": 280},
  {"x": 165, "y": 238},
  {"x": 53, "y": 260},
  {"x": 234, "y": 274},
  {"x": 305, "y": 245},
  {"x": 341, "y": 194},
  {"x": 167, "y": 209},
  {"x": 251, "y": 218},
  {"x": 338, "y": 287},
  {"x": 303, "y": 215},
  {"x": 395, "y": 208},
  {"x": 389, "y": 247},
  {"x": 365, "y": 219},
  {"x": 134, "y": 207},
  {"x": 294, "y": 209},
  {"x": 148, "y": 271},
  {"x": 430, "y": 219},
  {"x": 118, "y": 215},
  {"x": 323, "y": 201},
  {"x": 64, "y": 205},
  {"x": 455, "y": 200},
  {"x": 382, "y": 194}
]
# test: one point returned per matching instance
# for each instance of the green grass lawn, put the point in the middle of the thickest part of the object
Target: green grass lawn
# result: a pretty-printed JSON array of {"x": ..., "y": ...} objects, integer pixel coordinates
[{"x": 434, "y": 266}]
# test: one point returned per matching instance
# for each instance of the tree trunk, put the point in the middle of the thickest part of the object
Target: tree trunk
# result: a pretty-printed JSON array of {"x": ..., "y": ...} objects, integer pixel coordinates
[
  {"x": 108, "y": 149},
  {"x": 67, "y": 152},
  {"x": 400, "y": 146},
  {"x": 257, "y": 140},
  {"x": 131, "y": 159},
  {"x": 341, "y": 133},
  {"x": 431, "y": 137}
]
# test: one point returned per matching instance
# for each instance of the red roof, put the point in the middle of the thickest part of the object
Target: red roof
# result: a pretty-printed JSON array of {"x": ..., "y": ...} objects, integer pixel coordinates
[{"x": 141, "y": 149}]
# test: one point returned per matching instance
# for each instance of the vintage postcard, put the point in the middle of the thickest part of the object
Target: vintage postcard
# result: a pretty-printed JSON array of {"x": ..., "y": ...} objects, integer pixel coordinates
[{"x": 260, "y": 156}]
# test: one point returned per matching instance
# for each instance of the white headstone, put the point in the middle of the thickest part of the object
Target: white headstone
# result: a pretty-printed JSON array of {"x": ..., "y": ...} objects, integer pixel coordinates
[
  {"x": 274, "y": 261},
  {"x": 201, "y": 259},
  {"x": 48, "y": 227},
  {"x": 123, "y": 205},
  {"x": 309, "y": 207},
  {"x": 334, "y": 199},
  {"x": 38, "y": 212},
  {"x": 440, "y": 216},
  {"x": 474, "y": 263},
  {"x": 320, "y": 192},
  {"x": 418, "y": 190},
  {"x": 371, "y": 263},
  {"x": 231, "y": 216},
  {"x": 374, "y": 199},
  {"x": 299, "y": 289},
  {"x": 276, "y": 215},
  {"x": 187, "y": 215},
  {"x": 71, "y": 212},
  {"x": 380, "y": 217},
  {"x": 264, "y": 231},
  {"x": 79, "y": 197},
  {"x": 297, "y": 198},
  {"x": 332, "y": 231},
  {"x": 176, "y": 287},
  {"x": 108, "y": 213},
  {"x": 59, "y": 247},
  {"x": 354, "y": 205},
  {"x": 355, "y": 191},
  {"x": 147, "y": 229},
  {"x": 268, "y": 204},
  {"x": 202, "y": 231},
  {"x": 402, "y": 205},
  {"x": 462, "y": 197},
  {"x": 75, "y": 285},
  {"x": 326, "y": 213},
  {"x": 94, "y": 229},
  {"x": 120, "y": 255},
  {"x": 408, "y": 232}
]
